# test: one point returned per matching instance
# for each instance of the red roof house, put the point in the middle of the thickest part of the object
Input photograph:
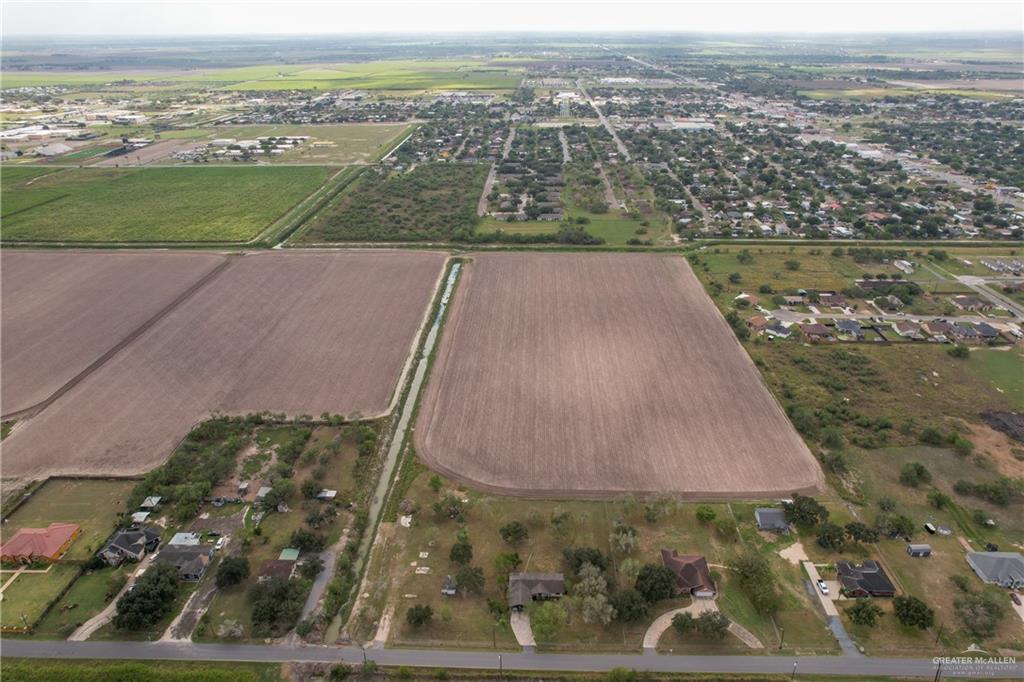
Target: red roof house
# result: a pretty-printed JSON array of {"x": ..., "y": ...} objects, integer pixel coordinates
[{"x": 39, "y": 544}]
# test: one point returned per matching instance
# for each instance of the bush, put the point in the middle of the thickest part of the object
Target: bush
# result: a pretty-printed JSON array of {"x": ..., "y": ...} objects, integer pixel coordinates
[
  {"x": 979, "y": 613},
  {"x": 959, "y": 351},
  {"x": 910, "y": 610},
  {"x": 547, "y": 619},
  {"x": 864, "y": 612},
  {"x": 705, "y": 514},
  {"x": 232, "y": 570},
  {"x": 630, "y": 606},
  {"x": 913, "y": 474},
  {"x": 149, "y": 600},
  {"x": 276, "y": 606},
  {"x": 655, "y": 582},
  {"x": 514, "y": 533},
  {"x": 419, "y": 615}
]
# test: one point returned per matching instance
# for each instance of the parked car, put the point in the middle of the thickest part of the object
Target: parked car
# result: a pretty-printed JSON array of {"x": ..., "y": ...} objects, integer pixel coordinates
[
  {"x": 1015, "y": 597},
  {"x": 219, "y": 545},
  {"x": 823, "y": 587}
]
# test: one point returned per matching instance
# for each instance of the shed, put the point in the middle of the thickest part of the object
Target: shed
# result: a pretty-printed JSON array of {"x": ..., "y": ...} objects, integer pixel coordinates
[
  {"x": 140, "y": 517},
  {"x": 150, "y": 502},
  {"x": 919, "y": 550},
  {"x": 288, "y": 554}
]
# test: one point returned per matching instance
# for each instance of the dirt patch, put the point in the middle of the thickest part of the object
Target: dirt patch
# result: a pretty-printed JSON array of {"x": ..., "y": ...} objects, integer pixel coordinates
[
  {"x": 1010, "y": 423},
  {"x": 602, "y": 374},
  {"x": 149, "y": 154},
  {"x": 298, "y": 333},
  {"x": 794, "y": 554},
  {"x": 998, "y": 447}
]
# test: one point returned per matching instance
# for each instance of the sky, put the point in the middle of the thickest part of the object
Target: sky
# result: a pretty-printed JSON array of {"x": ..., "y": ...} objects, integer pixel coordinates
[{"x": 230, "y": 17}]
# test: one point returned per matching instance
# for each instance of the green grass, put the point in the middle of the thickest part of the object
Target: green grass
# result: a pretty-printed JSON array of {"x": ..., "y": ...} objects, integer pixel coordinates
[
  {"x": 92, "y": 504},
  {"x": 1004, "y": 369},
  {"x": 27, "y": 598},
  {"x": 50, "y": 670},
  {"x": 86, "y": 597},
  {"x": 154, "y": 204}
]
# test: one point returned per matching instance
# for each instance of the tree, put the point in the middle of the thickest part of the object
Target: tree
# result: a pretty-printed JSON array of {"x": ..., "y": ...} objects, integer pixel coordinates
[
  {"x": 684, "y": 622},
  {"x": 514, "y": 533},
  {"x": 309, "y": 488},
  {"x": 913, "y": 474},
  {"x": 805, "y": 511},
  {"x": 735, "y": 277},
  {"x": 307, "y": 541},
  {"x": 757, "y": 582},
  {"x": 150, "y": 600},
  {"x": 470, "y": 579},
  {"x": 656, "y": 582},
  {"x": 435, "y": 483},
  {"x": 547, "y": 619},
  {"x": 449, "y": 507},
  {"x": 712, "y": 624},
  {"x": 623, "y": 538},
  {"x": 577, "y": 556},
  {"x": 938, "y": 499},
  {"x": 864, "y": 612},
  {"x": 705, "y": 514},
  {"x": 959, "y": 351},
  {"x": 910, "y": 610},
  {"x": 979, "y": 613},
  {"x": 629, "y": 569},
  {"x": 505, "y": 563},
  {"x": 894, "y": 525},
  {"x": 831, "y": 536},
  {"x": 276, "y": 605},
  {"x": 861, "y": 532},
  {"x": 419, "y": 615},
  {"x": 792, "y": 265},
  {"x": 461, "y": 553},
  {"x": 630, "y": 606},
  {"x": 311, "y": 568},
  {"x": 232, "y": 570}
]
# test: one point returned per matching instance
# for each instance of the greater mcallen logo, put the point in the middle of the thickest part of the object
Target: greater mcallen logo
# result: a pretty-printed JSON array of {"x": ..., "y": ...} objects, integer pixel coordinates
[{"x": 977, "y": 662}]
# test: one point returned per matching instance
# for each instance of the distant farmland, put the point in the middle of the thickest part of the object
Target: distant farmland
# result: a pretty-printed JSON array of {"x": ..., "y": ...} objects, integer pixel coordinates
[
  {"x": 62, "y": 311},
  {"x": 152, "y": 204},
  {"x": 299, "y": 333},
  {"x": 598, "y": 374}
]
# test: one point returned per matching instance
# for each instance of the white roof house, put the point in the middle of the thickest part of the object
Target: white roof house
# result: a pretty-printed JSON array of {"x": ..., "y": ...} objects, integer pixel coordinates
[{"x": 185, "y": 539}]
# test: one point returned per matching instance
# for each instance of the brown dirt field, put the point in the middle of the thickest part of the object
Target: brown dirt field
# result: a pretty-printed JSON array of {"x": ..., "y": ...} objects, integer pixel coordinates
[
  {"x": 64, "y": 310},
  {"x": 149, "y": 154},
  {"x": 279, "y": 331},
  {"x": 587, "y": 375}
]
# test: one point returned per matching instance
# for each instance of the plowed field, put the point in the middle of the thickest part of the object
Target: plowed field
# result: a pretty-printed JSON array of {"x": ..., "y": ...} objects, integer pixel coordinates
[{"x": 601, "y": 374}]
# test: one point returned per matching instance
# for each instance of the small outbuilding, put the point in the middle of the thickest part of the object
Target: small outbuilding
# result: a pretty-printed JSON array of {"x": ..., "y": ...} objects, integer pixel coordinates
[{"x": 919, "y": 550}]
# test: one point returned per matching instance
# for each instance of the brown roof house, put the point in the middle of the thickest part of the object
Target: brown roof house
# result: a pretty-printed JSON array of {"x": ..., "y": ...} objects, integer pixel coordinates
[
  {"x": 816, "y": 332},
  {"x": 526, "y": 587},
  {"x": 692, "y": 574},
  {"x": 39, "y": 544},
  {"x": 283, "y": 569}
]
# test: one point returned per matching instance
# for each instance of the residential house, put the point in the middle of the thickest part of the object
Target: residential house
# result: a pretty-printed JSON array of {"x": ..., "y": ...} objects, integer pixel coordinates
[
  {"x": 938, "y": 328},
  {"x": 190, "y": 560},
  {"x": 907, "y": 330},
  {"x": 1000, "y": 568},
  {"x": 130, "y": 544},
  {"x": 777, "y": 330},
  {"x": 691, "y": 572},
  {"x": 185, "y": 540},
  {"x": 866, "y": 580},
  {"x": 793, "y": 300},
  {"x": 757, "y": 323},
  {"x": 971, "y": 303},
  {"x": 282, "y": 569},
  {"x": 816, "y": 331},
  {"x": 889, "y": 302},
  {"x": 850, "y": 328},
  {"x": 39, "y": 544},
  {"x": 964, "y": 332},
  {"x": 771, "y": 519},
  {"x": 526, "y": 587},
  {"x": 986, "y": 331},
  {"x": 832, "y": 300}
]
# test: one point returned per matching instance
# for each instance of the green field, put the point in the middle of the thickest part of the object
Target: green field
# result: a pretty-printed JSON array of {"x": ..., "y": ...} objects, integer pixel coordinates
[
  {"x": 27, "y": 598},
  {"x": 83, "y": 600},
  {"x": 152, "y": 204},
  {"x": 1004, "y": 369},
  {"x": 92, "y": 504}
]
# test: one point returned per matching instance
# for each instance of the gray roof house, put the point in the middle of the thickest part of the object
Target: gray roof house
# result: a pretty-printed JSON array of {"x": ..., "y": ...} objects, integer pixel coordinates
[
  {"x": 190, "y": 560},
  {"x": 526, "y": 587},
  {"x": 129, "y": 544},
  {"x": 850, "y": 328},
  {"x": 771, "y": 518},
  {"x": 1001, "y": 568}
]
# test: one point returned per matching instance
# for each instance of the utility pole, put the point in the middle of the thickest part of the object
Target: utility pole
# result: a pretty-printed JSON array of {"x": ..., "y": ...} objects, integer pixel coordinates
[
  {"x": 782, "y": 637},
  {"x": 501, "y": 667},
  {"x": 938, "y": 672},
  {"x": 939, "y": 633},
  {"x": 793, "y": 676}
]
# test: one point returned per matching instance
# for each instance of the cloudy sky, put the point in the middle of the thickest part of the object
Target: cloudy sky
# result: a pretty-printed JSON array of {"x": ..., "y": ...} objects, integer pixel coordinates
[{"x": 141, "y": 17}]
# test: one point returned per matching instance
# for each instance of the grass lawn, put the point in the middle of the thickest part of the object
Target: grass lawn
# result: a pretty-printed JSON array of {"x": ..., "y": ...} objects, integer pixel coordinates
[
  {"x": 466, "y": 621},
  {"x": 27, "y": 598},
  {"x": 92, "y": 504},
  {"x": 1004, "y": 369},
  {"x": 152, "y": 204},
  {"x": 86, "y": 597},
  {"x": 51, "y": 670}
]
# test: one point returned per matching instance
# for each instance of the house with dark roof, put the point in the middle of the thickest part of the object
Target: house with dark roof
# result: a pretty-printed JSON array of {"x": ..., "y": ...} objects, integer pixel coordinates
[
  {"x": 986, "y": 331},
  {"x": 282, "y": 569},
  {"x": 971, "y": 303},
  {"x": 190, "y": 560},
  {"x": 938, "y": 327},
  {"x": 526, "y": 587},
  {"x": 691, "y": 572},
  {"x": 1000, "y": 568},
  {"x": 865, "y": 580},
  {"x": 130, "y": 544},
  {"x": 850, "y": 328},
  {"x": 964, "y": 332},
  {"x": 777, "y": 330},
  {"x": 771, "y": 519}
]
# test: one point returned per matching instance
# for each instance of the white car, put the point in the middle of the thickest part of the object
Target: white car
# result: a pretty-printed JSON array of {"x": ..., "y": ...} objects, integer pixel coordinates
[
  {"x": 220, "y": 545},
  {"x": 823, "y": 587}
]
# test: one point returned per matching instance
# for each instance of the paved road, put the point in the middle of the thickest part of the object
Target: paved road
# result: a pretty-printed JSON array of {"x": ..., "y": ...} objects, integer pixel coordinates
[
  {"x": 977, "y": 284},
  {"x": 528, "y": 660},
  {"x": 623, "y": 152}
]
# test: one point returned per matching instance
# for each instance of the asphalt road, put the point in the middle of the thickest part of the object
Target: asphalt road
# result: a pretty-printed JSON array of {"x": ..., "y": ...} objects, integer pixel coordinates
[{"x": 526, "y": 661}]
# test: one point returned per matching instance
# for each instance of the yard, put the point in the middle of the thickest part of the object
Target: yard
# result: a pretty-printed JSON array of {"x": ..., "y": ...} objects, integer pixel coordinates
[
  {"x": 85, "y": 598},
  {"x": 27, "y": 598},
  {"x": 190, "y": 204},
  {"x": 93, "y": 504}
]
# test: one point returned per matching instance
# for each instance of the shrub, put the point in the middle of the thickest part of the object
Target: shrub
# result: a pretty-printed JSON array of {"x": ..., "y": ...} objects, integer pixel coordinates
[
  {"x": 864, "y": 612},
  {"x": 910, "y": 610},
  {"x": 419, "y": 615},
  {"x": 232, "y": 570}
]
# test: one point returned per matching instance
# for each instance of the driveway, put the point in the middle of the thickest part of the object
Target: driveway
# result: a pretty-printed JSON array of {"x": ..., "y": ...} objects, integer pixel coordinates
[
  {"x": 106, "y": 615},
  {"x": 835, "y": 623},
  {"x": 520, "y": 622},
  {"x": 699, "y": 606}
]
